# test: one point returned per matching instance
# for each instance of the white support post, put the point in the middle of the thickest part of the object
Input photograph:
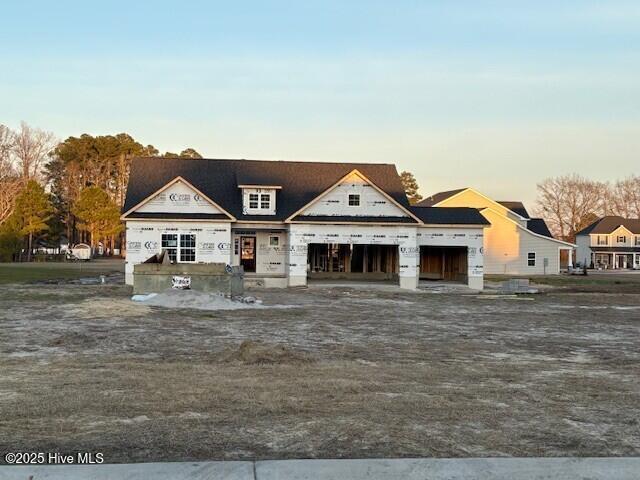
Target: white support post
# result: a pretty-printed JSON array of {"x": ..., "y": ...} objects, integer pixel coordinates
[
  {"x": 475, "y": 262},
  {"x": 297, "y": 259},
  {"x": 409, "y": 260}
]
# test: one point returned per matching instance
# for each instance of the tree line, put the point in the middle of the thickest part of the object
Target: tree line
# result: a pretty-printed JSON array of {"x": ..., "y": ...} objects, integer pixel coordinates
[
  {"x": 70, "y": 190},
  {"x": 74, "y": 190},
  {"x": 570, "y": 203}
]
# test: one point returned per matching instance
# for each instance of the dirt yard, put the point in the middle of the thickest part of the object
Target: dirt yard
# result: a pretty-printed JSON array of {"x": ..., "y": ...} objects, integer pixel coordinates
[{"x": 323, "y": 372}]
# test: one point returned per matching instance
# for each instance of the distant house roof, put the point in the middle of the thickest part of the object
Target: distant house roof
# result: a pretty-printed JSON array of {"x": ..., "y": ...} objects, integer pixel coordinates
[
  {"x": 539, "y": 226},
  {"x": 516, "y": 207},
  {"x": 449, "y": 215},
  {"x": 609, "y": 224},
  {"x": 438, "y": 197},
  {"x": 301, "y": 182}
]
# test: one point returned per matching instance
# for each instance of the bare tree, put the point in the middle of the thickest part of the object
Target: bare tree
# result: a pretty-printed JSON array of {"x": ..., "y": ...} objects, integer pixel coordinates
[
  {"x": 9, "y": 181},
  {"x": 624, "y": 197},
  {"x": 31, "y": 147},
  {"x": 7, "y": 167},
  {"x": 570, "y": 203}
]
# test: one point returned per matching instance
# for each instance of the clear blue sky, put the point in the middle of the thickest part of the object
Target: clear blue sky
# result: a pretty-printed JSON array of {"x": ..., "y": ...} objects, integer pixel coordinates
[{"x": 495, "y": 95}]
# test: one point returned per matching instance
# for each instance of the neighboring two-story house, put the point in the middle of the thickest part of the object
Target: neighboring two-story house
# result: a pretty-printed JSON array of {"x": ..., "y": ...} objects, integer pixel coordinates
[
  {"x": 285, "y": 222},
  {"x": 610, "y": 243},
  {"x": 514, "y": 243}
]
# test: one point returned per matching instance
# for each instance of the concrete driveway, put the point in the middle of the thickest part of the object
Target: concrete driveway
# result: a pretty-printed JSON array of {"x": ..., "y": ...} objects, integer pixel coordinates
[{"x": 371, "y": 469}]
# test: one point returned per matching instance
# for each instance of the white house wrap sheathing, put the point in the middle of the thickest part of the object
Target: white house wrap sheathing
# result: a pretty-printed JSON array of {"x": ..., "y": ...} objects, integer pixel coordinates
[
  {"x": 213, "y": 245},
  {"x": 144, "y": 239},
  {"x": 408, "y": 239}
]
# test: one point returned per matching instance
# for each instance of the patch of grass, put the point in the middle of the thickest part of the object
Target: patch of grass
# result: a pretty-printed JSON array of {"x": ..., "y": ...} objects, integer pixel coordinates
[
  {"x": 35, "y": 272},
  {"x": 602, "y": 282}
]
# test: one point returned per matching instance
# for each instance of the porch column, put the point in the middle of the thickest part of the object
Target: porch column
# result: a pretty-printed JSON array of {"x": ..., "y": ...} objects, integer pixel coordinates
[
  {"x": 570, "y": 258},
  {"x": 297, "y": 258},
  {"x": 475, "y": 263},
  {"x": 409, "y": 259}
]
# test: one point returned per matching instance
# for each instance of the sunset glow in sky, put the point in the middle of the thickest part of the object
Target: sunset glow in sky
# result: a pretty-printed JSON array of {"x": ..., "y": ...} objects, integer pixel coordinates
[{"x": 494, "y": 95}]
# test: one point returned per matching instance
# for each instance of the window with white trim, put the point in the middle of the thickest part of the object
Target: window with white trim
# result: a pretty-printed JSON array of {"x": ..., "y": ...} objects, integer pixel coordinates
[
  {"x": 169, "y": 242},
  {"x": 265, "y": 201},
  {"x": 179, "y": 247},
  {"x": 621, "y": 239},
  {"x": 531, "y": 259},
  {"x": 188, "y": 247},
  {"x": 601, "y": 240},
  {"x": 354, "y": 199},
  {"x": 259, "y": 201},
  {"x": 274, "y": 241}
]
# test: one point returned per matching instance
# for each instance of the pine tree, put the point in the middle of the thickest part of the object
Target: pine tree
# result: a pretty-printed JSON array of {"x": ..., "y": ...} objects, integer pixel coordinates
[
  {"x": 98, "y": 214},
  {"x": 32, "y": 212},
  {"x": 410, "y": 185}
]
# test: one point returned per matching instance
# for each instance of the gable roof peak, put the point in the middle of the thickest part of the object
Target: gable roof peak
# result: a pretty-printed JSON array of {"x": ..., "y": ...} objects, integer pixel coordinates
[{"x": 438, "y": 197}]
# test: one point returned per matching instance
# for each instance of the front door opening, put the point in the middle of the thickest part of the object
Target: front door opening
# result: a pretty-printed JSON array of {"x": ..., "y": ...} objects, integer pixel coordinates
[
  {"x": 443, "y": 263},
  {"x": 248, "y": 253}
]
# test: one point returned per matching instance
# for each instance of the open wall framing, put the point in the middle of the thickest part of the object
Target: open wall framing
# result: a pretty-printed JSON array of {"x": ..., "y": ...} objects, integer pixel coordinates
[{"x": 335, "y": 260}]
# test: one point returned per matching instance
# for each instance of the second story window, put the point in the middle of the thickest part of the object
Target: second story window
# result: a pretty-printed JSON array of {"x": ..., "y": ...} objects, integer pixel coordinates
[
  {"x": 354, "y": 200},
  {"x": 259, "y": 201},
  {"x": 265, "y": 201},
  {"x": 638, "y": 240},
  {"x": 621, "y": 239},
  {"x": 602, "y": 240}
]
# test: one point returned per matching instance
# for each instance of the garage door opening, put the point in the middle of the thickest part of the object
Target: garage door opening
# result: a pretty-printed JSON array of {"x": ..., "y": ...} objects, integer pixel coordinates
[
  {"x": 352, "y": 262},
  {"x": 443, "y": 263}
]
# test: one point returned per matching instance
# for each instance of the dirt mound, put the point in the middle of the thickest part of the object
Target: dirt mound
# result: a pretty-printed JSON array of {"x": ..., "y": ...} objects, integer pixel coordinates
[
  {"x": 252, "y": 352},
  {"x": 193, "y": 299}
]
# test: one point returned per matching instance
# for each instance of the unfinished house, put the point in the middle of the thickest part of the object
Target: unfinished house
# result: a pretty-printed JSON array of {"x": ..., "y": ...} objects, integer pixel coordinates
[
  {"x": 287, "y": 223},
  {"x": 514, "y": 243}
]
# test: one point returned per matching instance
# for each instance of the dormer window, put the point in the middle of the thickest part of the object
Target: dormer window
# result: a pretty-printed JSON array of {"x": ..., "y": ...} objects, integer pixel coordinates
[
  {"x": 253, "y": 200},
  {"x": 354, "y": 199},
  {"x": 258, "y": 200}
]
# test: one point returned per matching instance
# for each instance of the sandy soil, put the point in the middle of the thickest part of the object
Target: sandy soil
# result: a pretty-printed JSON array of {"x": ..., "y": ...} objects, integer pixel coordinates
[{"x": 330, "y": 372}]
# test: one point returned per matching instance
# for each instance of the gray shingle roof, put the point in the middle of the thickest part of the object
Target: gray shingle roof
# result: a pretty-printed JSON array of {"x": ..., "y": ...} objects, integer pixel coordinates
[
  {"x": 219, "y": 179},
  {"x": 539, "y": 226},
  {"x": 610, "y": 223},
  {"x": 449, "y": 215},
  {"x": 516, "y": 207},
  {"x": 438, "y": 197}
]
